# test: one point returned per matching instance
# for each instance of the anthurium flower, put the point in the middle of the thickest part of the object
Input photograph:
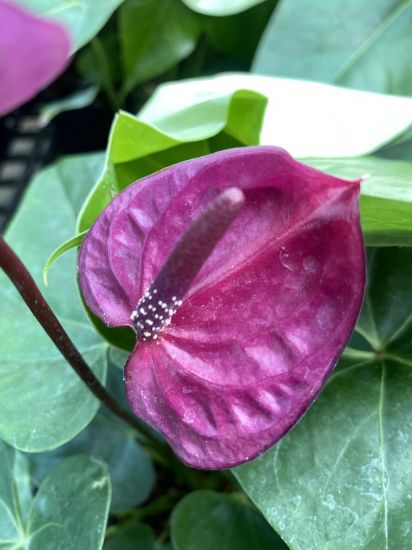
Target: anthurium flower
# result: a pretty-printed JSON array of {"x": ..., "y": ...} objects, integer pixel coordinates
[
  {"x": 242, "y": 298},
  {"x": 33, "y": 51}
]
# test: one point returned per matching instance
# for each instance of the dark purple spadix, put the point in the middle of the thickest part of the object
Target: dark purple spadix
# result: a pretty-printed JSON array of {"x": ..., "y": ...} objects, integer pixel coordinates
[
  {"x": 260, "y": 286},
  {"x": 160, "y": 302}
]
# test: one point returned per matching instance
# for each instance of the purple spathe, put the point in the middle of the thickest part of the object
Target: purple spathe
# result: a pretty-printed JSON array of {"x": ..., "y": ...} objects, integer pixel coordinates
[
  {"x": 33, "y": 51},
  {"x": 264, "y": 320}
]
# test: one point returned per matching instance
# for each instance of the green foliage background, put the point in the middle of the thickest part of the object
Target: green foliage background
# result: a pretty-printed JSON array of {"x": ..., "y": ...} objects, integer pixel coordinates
[{"x": 341, "y": 479}]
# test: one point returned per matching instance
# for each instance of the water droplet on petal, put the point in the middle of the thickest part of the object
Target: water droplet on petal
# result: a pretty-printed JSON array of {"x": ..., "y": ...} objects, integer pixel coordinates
[
  {"x": 287, "y": 260},
  {"x": 310, "y": 264}
]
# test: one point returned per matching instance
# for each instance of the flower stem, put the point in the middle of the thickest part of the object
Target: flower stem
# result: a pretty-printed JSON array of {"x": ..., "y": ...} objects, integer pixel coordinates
[{"x": 30, "y": 292}]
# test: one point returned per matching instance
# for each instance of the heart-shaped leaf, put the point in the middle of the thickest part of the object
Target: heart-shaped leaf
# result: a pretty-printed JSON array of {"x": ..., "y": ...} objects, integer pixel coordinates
[
  {"x": 68, "y": 512},
  {"x": 71, "y": 507},
  {"x": 342, "y": 477}
]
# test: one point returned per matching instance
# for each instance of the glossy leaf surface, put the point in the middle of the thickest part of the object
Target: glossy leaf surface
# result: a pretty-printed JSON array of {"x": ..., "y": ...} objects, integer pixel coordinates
[
  {"x": 155, "y": 35},
  {"x": 341, "y": 478},
  {"x": 207, "y": 520},
  {"x": 131, "y": 472},
  {"x": 33, "y": 51},
  {"x": 71, "y": 507},
  {"x": 306, "y": 118},
  {"x": 69, "y": 510},
  {"x": 224, "y": 32},
  {"x": 266, "y": 317},
  {"x": 15, "y": 495},
  {"x": 42, "y": 401},
  {"x": 365, "y": 46}
]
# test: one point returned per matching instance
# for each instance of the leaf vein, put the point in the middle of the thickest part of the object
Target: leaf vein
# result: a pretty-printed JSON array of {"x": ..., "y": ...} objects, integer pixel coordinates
[
  {"x": 382, "y": 452},
  {"x": 369, "y": 41}
]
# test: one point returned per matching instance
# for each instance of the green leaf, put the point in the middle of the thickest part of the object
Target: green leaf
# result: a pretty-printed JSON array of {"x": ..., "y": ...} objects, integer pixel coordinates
[
  {"x": 118, "y": 357},
  {"x": 342, "y": 478},
  {"x": 401, "y": 149},
  {"x": 77, "y": 100},
  {"x": 69, "y": 510},
  {"x": 131, "y": 470},
  {"x": 207, "y": 520},
  {"x": 43, "y": 403},
  {"x": 15, "y": 495},
  {"x": 221, "y": 7},
  {"x": 80, "y": 17},
  {"x": 121, "y": 337},
  {"x": 366, "y": 49},
  {"x": 86, "y": 169},
  {"x": 98, "y": 63},
  {"x": 386, "y": 196},
  {"x": 308, "y": 119},
  {"x": 74, "y": 242},
  {"x": 155, "y": 35},
  {"x": 224, "y": 32},
  {"x": 132, "y": 537},
  {"x": 77, "y": 175},
  {"x": 206, "y": 111}
]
